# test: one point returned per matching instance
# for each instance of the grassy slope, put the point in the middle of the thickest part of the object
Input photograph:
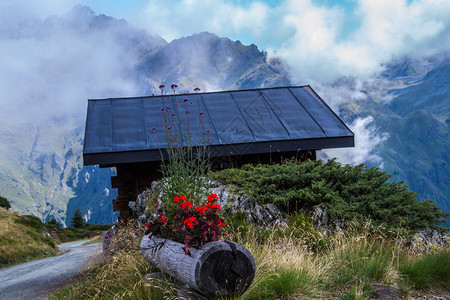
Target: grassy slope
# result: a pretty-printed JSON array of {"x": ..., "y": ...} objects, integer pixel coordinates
[
  {"x": 21, "y": 240},
  {"x": 25, "y": 238}
]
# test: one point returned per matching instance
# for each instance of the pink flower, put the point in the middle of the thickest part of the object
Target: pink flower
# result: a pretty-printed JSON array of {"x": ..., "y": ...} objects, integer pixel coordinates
[
  {"x": 161, "y": 86},
  {"x": 197, "y": 89},
  {"x": 173, "y": 86},
  {"x": 185, "y": 99}
]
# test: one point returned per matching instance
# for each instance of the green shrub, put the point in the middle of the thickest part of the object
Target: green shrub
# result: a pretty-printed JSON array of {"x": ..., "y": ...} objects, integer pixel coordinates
[
  {"x": 4, "y": 203},
  {"x": 31, "y": 221},
  {"x": 53, "y": 222},
  {"x": 349, "y": 192}
]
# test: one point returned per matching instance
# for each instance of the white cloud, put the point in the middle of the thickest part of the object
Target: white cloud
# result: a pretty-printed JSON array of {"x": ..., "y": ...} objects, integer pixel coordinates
[
  {"x": 173, "y": 19},
  {"x": 310, "y": 36},
  {"x": 387, "y": 29},
  {"x": 366, "y": 143},
  {"x": 53, "y": 74}
]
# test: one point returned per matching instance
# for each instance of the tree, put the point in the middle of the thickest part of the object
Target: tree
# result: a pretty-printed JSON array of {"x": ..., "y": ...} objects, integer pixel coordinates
[
  {"x": 5, "y": 203},
  {"x": 77, "y": 220}
]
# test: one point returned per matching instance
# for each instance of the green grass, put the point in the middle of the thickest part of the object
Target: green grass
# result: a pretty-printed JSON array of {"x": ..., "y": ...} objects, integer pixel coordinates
[
  {"x": 22, "y": 239},
  {"x": 345, "y": 267},
  {"x": 429, "y": 271},
  {"x": 25, "y": 238}
]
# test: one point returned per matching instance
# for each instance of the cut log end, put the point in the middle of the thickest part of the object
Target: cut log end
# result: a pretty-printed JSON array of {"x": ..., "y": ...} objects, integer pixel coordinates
[
  {"x": 226, "y": 272},
  {"x": 218, "y": 268}
]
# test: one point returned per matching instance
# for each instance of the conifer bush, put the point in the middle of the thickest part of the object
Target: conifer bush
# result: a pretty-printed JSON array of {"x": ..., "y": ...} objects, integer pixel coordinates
[
  {"x": 4, "y": 203},
  {"x": 349, "y": 192}
]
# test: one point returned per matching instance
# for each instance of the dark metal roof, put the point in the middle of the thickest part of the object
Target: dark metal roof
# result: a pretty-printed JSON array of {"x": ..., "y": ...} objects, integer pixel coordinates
[{"x": 126, "y": 130}]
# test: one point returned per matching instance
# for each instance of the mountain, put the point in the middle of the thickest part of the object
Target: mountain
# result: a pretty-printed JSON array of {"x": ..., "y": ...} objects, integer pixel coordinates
[
  {"x": 41, "y": 169},
  {"x": 410, "y": 102},
  {"x": 60, "y": 62}
]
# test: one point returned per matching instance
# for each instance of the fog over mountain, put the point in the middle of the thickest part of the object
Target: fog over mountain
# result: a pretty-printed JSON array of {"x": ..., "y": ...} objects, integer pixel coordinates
[{"x": 50, "y": 67}]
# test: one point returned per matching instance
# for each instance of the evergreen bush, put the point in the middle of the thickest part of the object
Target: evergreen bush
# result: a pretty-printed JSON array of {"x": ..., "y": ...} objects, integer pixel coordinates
[
  {"x": 349, "y": 192},
  {"x": 5, "y": 203}
]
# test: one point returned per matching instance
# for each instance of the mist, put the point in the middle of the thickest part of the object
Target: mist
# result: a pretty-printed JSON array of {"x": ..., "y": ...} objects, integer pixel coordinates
[{"x": 51, "y": 67}]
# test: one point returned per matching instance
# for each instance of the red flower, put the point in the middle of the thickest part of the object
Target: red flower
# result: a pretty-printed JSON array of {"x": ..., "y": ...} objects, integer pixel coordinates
[
  {"x": 221, "y": 223},
  {"x": 186, "y": 204},
  {"x": 190, "y": 221},
  {"x": 212, "y": 197},
  {"x": 147, "y": 224},
  {"x": 177, "y": 199},
  {"x": 162, "y": 218},
  {"x": 201, "y": 209},
  {"x": 214, "y": 206}
]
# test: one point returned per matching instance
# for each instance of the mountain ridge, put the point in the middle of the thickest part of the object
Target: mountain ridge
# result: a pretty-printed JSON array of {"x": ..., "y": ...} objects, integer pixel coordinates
[{"x": 42, "y": 173}]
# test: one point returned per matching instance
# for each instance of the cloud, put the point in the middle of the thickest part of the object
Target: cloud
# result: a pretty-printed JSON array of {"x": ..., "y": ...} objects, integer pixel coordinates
[
  {"x": 387, "y": 29},
  {"x": 48, "y": 70},
  {"x": 173, "y": 19},
  {"x": 365, "y": 143},
  {"x": 313, "y": 37}
]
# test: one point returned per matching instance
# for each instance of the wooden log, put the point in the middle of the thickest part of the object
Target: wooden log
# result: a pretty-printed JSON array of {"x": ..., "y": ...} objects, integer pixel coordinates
[{"x": 218, "y": 268}]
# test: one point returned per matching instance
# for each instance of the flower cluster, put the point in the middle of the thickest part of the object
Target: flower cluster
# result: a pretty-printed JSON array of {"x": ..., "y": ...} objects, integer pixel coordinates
[{"x": 189, "y": 224}]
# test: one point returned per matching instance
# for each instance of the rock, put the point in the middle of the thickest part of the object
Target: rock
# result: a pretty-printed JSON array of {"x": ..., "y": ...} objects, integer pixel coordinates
[
  {"x": 428, "y": 239},
  {"x": 120, "y": 238},
  {"x": 387, "y": 292},
  {"x": 231, "y": 202},
  {"x": 322, "y": 220}
]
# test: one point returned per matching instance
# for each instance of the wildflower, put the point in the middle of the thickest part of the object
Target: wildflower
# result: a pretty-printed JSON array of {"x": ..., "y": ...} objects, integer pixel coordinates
[
  {"x": 173, "y": 86},
  {"x": 186, "y": 204},
  {"x": 147, "y": 224},
  {"x": 212, "y": 197},
  {"x": 221, "y": 223},
  {"x": 173, "y": 114},
  {"x": 185, "y": 99},
  {"x": 190, "y": 221},
  {"x": 153, "y": 128},
  {"x": 197, "y": 89},
  {"x": 161, "y": 86},
  {"x": 188, "y": 111},
  {"x": 178, "y": 198},
  {"x": 201, "y": 113},
  {"x": 201, "y": 209},
  {"x": 214, "y": 206},
  {"x": 162, "y": 218},
  {"x": 168, "y": 108},
  {"x": 162, "y": 108}
]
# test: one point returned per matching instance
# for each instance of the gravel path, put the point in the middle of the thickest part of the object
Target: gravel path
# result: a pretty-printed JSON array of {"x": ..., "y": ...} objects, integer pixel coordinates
[{"x": 38, "y": 279}]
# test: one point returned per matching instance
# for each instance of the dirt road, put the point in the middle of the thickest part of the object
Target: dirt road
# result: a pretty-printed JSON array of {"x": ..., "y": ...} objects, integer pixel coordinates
[{"x": 40, "y": 278}]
